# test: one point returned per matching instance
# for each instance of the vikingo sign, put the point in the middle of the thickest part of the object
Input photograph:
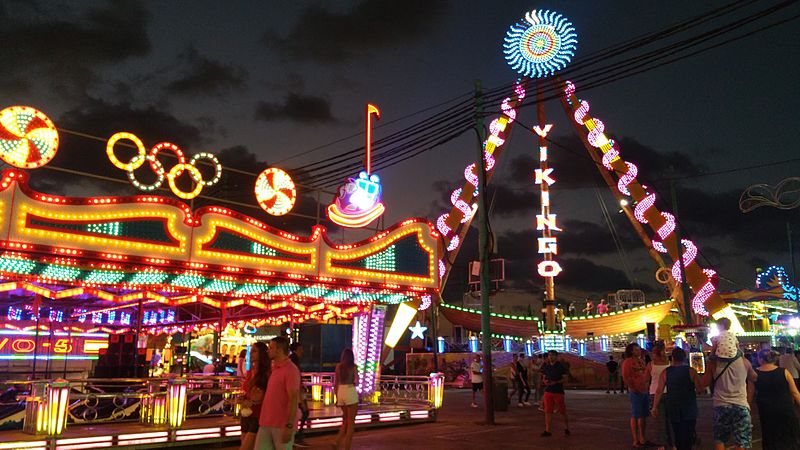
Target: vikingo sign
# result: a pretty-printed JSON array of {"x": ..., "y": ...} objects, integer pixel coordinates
[{"x": 546, "y": 222}]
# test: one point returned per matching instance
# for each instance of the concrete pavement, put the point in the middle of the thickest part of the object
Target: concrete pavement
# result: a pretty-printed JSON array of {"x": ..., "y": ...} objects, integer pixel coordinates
[{"x": 597, "y": 421}]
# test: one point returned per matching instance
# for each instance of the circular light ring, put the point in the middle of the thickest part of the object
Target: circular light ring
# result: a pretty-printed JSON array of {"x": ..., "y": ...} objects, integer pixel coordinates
[
  {"x": 175, "y": 172},
  {"x": 28, "y": 138},
  {"x": 136, "y": 161},
  {"x": 153, "y": 156},
  {"x": 540, "y": 45},
  {"x": 214, "y": 162},
  {"x": 275, "y": 191}
]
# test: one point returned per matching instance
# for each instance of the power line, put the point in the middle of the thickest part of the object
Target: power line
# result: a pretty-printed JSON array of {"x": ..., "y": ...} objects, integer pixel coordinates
[{"x": 653, "y": 56}]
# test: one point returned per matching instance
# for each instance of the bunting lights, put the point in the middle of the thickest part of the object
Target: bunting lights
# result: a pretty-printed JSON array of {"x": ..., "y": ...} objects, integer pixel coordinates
[
  {"x": 546, "y": 222},
  {"x": 775, "y": 276},
  {"x": 706, "y": 299},
  {"x": 158, "y": 169},
  {"x": 28, "y": 138},
  {"x": 358, "y": 201}
]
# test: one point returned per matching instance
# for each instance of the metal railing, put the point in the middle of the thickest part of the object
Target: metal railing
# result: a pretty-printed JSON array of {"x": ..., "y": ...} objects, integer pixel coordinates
[{"x": 156, "y": 401}]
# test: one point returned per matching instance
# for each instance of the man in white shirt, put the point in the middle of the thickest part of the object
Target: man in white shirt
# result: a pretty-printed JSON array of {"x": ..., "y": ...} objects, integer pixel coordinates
[
  {"x": 476, "y": 377},
  {"x": 789, "y": 362}
]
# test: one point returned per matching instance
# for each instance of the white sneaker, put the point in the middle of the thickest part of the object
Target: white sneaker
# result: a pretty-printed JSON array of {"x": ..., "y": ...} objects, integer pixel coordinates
[
  {"x": 526, "y": 403},
  {"x": 520, "y": 405},
  {"x": 474, "y": 405}
]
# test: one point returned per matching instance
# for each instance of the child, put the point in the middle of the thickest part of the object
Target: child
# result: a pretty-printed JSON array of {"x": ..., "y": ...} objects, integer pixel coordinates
[{"x": 725, "y": 346}]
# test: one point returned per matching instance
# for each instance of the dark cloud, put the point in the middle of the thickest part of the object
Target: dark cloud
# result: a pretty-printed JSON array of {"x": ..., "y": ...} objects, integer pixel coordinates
[
  {"x": 65, "y": 53},
  {"x": 99, "y": 118},
  {"x": 296, "y": 108},
  {"x": 706, "y": 214},
  {"x": 567, "y": 152},
  {"x": 327, "y": 36},
  {"x": 204, "y": 76},
  {"x": 583, "y": 274}
]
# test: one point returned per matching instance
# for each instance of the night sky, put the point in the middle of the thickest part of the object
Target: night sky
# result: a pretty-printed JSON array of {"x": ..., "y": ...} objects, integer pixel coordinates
[{"x": 264, "y": 83}]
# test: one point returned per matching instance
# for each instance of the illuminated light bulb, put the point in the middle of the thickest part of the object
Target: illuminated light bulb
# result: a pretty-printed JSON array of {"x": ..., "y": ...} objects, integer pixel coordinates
[{"x": 623, "y": 202}]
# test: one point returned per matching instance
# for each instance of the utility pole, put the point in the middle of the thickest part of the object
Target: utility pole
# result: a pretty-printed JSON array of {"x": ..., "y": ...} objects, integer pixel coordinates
[
  {"x": 687, "y": 306},
  {"x": 483, "y": 242},
  {"x": 791, "y": 257}
]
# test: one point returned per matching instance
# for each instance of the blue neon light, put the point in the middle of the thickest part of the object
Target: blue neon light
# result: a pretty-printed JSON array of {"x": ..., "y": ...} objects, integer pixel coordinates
[{"x": 541, "y": 44}]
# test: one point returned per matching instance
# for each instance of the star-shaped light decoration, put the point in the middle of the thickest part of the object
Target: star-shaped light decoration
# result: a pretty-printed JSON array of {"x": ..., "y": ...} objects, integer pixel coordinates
[{"x": 417, "y": 331}]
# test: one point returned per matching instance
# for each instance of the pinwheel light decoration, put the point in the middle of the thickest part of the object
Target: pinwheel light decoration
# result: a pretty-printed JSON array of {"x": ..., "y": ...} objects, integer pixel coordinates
[{"x": 541, "y": 44}]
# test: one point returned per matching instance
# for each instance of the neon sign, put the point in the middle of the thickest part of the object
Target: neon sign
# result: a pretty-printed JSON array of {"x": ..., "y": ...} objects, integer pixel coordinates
[
  {"x": 28, "y": 138},
  {"x": 546, "y": 222},
  {"x": 44, "y": 345},
  {"x": 358, "y": 201},
  {"x": 663, "y": 224},
  {"x": 463, "y": 198},
  {"x": 176, "y": 171},
  {"x": 541, "y": 45}
]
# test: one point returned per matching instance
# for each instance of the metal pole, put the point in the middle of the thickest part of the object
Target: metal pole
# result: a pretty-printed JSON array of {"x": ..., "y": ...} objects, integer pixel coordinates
[
  {"x": 549, "y": 282},
  {"x": 434, "y": 335},
  {"x": 688, "y": 316},
  {"x": 483, "y": 241},
  {"x": 791, "y": 259}
]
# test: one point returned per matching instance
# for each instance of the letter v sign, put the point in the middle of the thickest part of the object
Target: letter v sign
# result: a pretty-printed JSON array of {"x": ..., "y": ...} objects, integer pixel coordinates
[{"x": 541, "y": 132}]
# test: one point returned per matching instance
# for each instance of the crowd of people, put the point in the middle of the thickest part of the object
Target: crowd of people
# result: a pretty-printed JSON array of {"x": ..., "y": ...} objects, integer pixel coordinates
[
  {"x": 273, "y": 402},
  {"x": 663, "y": 387}
]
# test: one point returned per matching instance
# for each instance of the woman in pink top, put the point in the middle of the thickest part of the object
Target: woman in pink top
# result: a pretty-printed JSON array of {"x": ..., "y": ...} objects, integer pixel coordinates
[
  {"x": 253, "y": 387},
  {"x": 346, "y": 398}
]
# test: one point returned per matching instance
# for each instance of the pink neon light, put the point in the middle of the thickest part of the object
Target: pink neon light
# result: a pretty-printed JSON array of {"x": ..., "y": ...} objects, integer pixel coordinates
[
  {"x": 690, "y": 249},
  {"x": 83, "y": 446},
  {"x": 611, "y": 154},
  {"x": 462, "y": 206},
  {"x": 689, "y": 255},
  {"x": 153, "y": 440},
  {"x": 489, "y": 159},
  {"x": 197, "y": 431},
  {"x": 442, "y": 269},
  {"x": 570, "y": 89},
  {"x": 510, "y": 112},
  {"x": 453, "y": 243},
  {"x": 470, "y": 173},
  {"x": 441, "y": 224},
  {"x": 125, "y": 437},
  {"x": 192, "y": 437},
  {"x": 520, "y": 91},
  {"x": 581, "y": 112},
  {"x": 426, "y": 302},
  {"x": 645, "y": 204},
  {"x": 595, "y": 134},
  {"x": 627, "y": 178},
  {"x": 668, "y": 227},
  {"x": 495, "y": 127}
]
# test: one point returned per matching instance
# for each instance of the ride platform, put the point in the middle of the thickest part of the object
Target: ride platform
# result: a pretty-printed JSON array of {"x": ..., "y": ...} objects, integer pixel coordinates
[{"x": 204, "y": 431}]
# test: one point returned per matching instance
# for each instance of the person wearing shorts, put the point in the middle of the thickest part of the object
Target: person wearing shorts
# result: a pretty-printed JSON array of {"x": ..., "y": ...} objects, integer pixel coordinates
[
  {"x": 554, "y": 375},
  {"x": 731, "y": 409},
  {"x": 633, "y": 373},
  {"x": 476, "y": 377}
]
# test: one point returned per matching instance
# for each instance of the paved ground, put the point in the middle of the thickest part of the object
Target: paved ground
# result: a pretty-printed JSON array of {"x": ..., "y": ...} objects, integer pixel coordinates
[{"x": 598, "y": 421}]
